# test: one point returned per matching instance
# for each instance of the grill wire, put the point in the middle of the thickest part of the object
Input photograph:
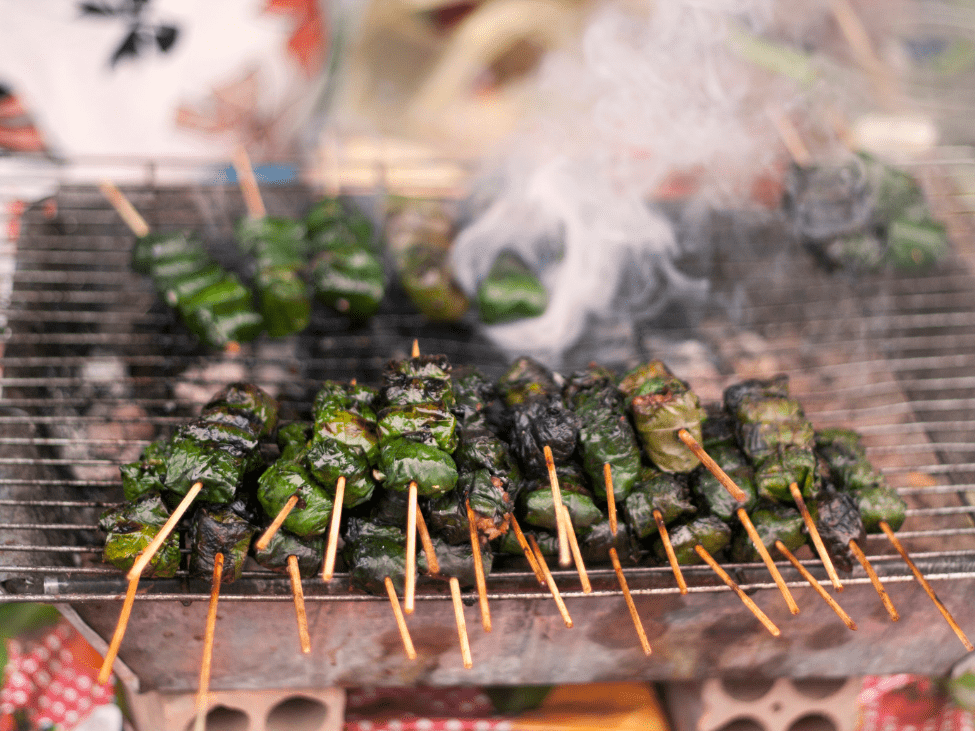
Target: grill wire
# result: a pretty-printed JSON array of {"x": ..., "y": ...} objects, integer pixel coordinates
[{"x": 94, "y": 367}]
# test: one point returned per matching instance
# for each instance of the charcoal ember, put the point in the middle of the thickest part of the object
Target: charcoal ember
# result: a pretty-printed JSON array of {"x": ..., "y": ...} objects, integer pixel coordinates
[
  {"x": 826, "y": 201},
  {"x": 540, "y": 423},
  {"x": 218, "y": 529},
  {"x": 838, "y": 522}
]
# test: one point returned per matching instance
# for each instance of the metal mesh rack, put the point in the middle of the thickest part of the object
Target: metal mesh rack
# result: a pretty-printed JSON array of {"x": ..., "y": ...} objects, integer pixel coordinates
[{"x": 94, "y": 368}]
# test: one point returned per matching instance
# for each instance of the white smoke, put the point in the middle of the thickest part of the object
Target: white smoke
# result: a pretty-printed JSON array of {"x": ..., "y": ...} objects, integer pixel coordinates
[{"x": 648, "y": 94}]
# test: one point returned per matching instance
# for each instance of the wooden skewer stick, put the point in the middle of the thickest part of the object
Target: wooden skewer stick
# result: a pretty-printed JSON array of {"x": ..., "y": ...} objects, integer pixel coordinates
[
  {"x": 203, "y": 693},
  {"x": 927, "y": 587},
  {"x": 816, "y": 538},
  {"x": 409, "y": 590},
  {"x": 276, "y": 524},
  {"x": 415, "y": 352},
  {"x": 248, "y": 184},
  {"x": 295, "y": 574},
  {"x": 713, "y": 467},
  {"x": 565, "y": 557},
  {"x": 482, "y": 597},
  {"x": 146, "y": 556},
  {"x": 465, "y": 644},
  {"x": 746, "y": 600},
  {"x": 784, "y": 550},
  {"x": 433, "y": 565},
  {"x": 875, "y": 580},
  {"x": 767, "y": 558},
  {"x": 404, "y": 631},
  {"x": 644, "y": 642},
  {"x": 123, "y": 620},
  {"x": 529, "y": 554},
  {"x": 551, "y": 582},
  {"x": 610, "y": 497},
  {"x": 669, "y": 549},
  {"x": 328, "y": 566},
  {"x": 791, "y": 138},
  {"x": 577, "y": 554},
  {"x": 126, "y": 211}
]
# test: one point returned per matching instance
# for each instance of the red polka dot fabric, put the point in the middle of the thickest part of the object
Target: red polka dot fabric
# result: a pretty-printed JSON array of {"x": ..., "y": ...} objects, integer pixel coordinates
[
  {"x": 421, "y": 709},
  {"x": 52, "y": 680}
]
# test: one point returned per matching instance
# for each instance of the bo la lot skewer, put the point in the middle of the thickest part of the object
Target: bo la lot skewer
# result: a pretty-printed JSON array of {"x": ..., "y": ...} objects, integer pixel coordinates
[
  {"x": 889, "y": 532},
  {"x": 294, "y": 573},
  {"x": 478, "y": 568},
  {"x": 814, "y": 535},
  {"x": 736, "y": 492},
  {"x": 565, "y": 557},
  {"x": 135, "y": 574}
]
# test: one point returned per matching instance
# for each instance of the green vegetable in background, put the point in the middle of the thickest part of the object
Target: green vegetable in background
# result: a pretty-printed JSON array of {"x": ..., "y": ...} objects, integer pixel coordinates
[{"x": 511, "y": 291}]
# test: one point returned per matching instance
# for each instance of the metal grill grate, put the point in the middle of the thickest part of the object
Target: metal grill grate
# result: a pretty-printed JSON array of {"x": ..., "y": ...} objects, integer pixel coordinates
[{"x": 94, "y": 368}]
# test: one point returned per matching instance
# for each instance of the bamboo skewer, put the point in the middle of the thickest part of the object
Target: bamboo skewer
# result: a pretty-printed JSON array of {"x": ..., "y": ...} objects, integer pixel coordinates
[
  {"x": 248, "y": 184},
  {"x": 529, "y": 554},
  {"x": 551, "y": 582},
  {"x": 637, "y": 623},
  {"x": 433, "y": 565},
  {"x": 465, "y": 644},
  {"x": 328, "y": 565},
  {"x": 713, "y": 467},
  {"x": 816, "y": 538},
  {"x": 276, "y": 524},
  {"x": 203, "y": 693},
  {"x": 478, "y": 568},
  {"x": 123, "y": 620},
  {"x": 767, "y": 558},
  {"x": 146, "y": 556},
  {"x": 577, "y": 554},
  {"x": 564, "y": 552},
  {"x": 783, "y": 549},
  {"x": 610, "y": 497},
  {"x": 669, "y": 549},
  {"x": 927, "y": 587},
  {"x": 746, "y": 600},
  {"x": 299, "y": 595},
  {"x": 409, "y": 590},
  {"x": 126, "y": 211},
  {"x": 404, "y": 631},
  {"x": 875, "y": 580},
  {"x": 415, "y": 351}
]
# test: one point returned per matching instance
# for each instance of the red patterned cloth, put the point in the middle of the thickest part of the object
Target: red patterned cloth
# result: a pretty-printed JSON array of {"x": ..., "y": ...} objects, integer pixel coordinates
[
  {"x": 421, "y": 709},
  {"x": 910, "y": 703},
  {"x": 52, "y": 680}
]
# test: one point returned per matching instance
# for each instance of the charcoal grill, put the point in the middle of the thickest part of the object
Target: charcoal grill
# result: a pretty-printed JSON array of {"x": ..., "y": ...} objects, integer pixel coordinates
[{"x": 94, "y": 368}]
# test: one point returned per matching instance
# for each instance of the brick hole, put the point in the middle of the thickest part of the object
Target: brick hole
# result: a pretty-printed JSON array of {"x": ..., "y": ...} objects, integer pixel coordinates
[
  {"x": 746, "y": 690},
  {"x": 813, "y": 722},
  {"x": 298, "y": 713},
  {"x": 742, "y": 724},
  {"x": 222, "y": 718}
]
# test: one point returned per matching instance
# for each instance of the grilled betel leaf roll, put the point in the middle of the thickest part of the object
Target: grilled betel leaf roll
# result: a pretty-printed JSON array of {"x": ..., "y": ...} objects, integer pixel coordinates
[
  {"x": 605, "y": 434},
  {"x": 838, "y": 522},
  {"x": 284, "y": 478},
  {"x": 775, "y": 435},
  {"x": 421, "y": 380},
  {"x": 148, "y": 475},
  {"x": 279, "y": 249},
  {"x": 709, "y": 530},
  {"x": 372, "y": 552},
  {"x": 526, "y": 380},
  {"x": 661, "y": 491},
  {"x": 131, "y": 527},
  {"x": 329, "y": 459},
  {"x": 715, "y": 495},
  {"x": 844, "y": 459},
  {"x": 310, "y": 553},
  {"x": 773, "y": 521},
  {"x": 457, "y": 559},
  {"x": 536, "y": 500},
  {"x": 404, "y": 460},
  {"x": 259, "y": 408},
  {"x": 215, "y": 454},
  {"x": 431, "y": 417},
  {"x": 661, "y": 404},
  {"x": 218, "y": 529}
]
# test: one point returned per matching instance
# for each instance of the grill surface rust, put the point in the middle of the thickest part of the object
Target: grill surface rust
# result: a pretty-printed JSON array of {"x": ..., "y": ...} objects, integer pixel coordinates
[{"x": 94, "y": 368}]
